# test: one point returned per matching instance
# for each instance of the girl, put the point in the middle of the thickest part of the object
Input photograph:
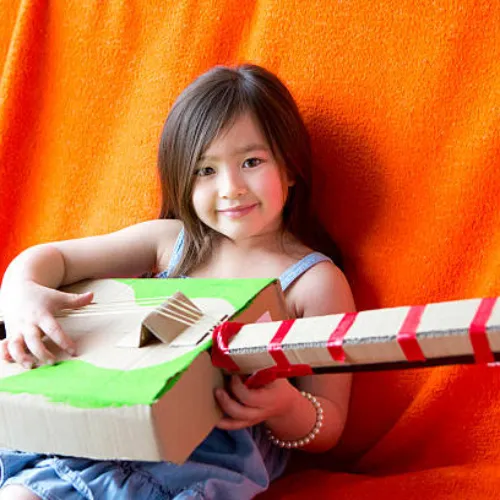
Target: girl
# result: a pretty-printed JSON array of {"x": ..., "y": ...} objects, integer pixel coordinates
[{"x": 234, "y": 163}]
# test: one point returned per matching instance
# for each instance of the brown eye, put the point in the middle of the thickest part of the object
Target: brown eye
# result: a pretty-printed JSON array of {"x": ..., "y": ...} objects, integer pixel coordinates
[
  {"x": 204, "y": 171},
  {"x": 252, "y": 162}
]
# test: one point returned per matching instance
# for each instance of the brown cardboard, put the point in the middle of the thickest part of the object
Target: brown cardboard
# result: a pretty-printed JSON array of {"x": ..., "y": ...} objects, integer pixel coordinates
[
  {"x": 167, "y": 430},
  {"x": 371, "y": 343},
  {"x": 172, "y": 427}
]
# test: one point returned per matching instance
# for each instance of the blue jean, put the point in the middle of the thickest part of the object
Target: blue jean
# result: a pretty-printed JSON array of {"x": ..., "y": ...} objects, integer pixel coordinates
[{"x": 227, "y": 465}]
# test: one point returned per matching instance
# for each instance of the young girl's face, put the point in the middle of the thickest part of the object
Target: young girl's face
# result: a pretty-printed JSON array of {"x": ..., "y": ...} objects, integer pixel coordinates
[{"x": 240, "y": 189}]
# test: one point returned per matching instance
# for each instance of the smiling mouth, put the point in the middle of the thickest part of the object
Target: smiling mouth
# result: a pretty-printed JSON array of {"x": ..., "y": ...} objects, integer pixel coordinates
[{"x": 237, "y": 212}]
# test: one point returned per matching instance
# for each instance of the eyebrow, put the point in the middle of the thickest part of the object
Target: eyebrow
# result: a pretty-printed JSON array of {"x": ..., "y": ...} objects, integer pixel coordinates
[{"x": 245, "y": 149}]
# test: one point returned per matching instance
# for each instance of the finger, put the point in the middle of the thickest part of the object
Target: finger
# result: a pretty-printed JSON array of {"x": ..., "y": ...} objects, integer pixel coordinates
[
  {"x": 235, "y": 409},
  {"x": 75, "y": 300},
  {"x": 249, "y": 397},
  {"x": 4, "y": 351},
  {"x": 229, "y": 424},
  {"x": 17, "y": 350},
  {"x": 53, "y": 330},
  {"x": 33, "y": 340}
]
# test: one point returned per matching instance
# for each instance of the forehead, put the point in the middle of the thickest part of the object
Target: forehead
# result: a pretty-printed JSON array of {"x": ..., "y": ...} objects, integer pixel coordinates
[{"x": 242, "y": 135}]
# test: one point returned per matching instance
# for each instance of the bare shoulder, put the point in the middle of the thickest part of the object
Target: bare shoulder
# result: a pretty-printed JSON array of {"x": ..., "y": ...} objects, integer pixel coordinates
[
  {"x": 130, "y": 251},
  {"x": 168, "y": 231},
  {"x": 162, "y": 229},
  {"x": 159, "y": 235},
  {"x": 323, "y": 289},
  {"x": 162, "y": 226}
]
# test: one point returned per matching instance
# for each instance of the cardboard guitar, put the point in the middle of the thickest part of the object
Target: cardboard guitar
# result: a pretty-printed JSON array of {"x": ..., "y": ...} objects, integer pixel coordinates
[{"x": 142, "y": 384}]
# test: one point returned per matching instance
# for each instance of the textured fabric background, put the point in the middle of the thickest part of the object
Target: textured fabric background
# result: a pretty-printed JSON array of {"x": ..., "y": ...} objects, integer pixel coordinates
[{"x": 403, "y": 103}]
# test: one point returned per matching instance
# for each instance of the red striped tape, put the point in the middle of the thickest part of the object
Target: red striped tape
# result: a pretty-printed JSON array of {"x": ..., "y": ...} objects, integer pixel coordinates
[
  {"x": 407, "y": 335},
  {"x": 336, "y": 339},
  {"x": 477, "y": 332},
  {"x": 220, "y": 348},
  {"x": 275, "y": 346},
  {"x": 268, "y": 375},
  {"x": 283, "y": 368}
]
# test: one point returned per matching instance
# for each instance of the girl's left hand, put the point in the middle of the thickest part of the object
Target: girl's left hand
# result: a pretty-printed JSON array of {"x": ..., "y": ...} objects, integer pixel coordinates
[{"x": 246, "y": 407}]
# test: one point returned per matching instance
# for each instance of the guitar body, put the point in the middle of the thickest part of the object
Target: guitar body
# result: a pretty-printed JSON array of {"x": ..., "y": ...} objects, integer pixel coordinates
[{"x": 141, "y": 386}]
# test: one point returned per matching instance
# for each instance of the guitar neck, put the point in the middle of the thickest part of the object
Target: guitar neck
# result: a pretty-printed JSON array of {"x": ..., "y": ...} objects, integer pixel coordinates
[{"x": 443, "y": 333}]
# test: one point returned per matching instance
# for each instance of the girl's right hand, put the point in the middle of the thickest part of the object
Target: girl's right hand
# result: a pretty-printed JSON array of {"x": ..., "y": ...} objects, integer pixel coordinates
[{"x": 29, "y": 314}]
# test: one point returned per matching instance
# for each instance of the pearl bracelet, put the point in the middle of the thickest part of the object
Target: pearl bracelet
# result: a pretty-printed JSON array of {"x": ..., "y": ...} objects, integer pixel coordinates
[{"x": 298, "y": 443}]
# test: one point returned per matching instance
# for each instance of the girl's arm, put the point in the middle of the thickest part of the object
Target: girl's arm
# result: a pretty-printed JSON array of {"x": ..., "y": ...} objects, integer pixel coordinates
[
  {"x": 320, "y": 291},
  {"x": 125, "y": 253},
  {"x": 30, "y": 301}
]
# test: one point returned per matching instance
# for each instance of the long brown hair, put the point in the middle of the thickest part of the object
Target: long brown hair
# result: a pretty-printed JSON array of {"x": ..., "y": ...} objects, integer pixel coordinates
[{"x": 207, "y": 106}]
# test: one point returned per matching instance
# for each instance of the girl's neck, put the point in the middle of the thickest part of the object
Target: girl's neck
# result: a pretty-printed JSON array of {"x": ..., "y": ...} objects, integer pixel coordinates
[
  {"x": 276, "y": 241},
  {"x": 265, "y": 255}
]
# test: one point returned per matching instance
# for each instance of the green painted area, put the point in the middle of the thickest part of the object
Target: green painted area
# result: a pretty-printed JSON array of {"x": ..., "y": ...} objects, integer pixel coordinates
[
  {"x": 81, "y": 384},
  {"x": 238, "y": 292},
  {"x": 84, "y": 385}
]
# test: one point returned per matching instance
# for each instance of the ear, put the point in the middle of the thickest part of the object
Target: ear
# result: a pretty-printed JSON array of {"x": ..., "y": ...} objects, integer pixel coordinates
[{"x": 287, "y": 179}]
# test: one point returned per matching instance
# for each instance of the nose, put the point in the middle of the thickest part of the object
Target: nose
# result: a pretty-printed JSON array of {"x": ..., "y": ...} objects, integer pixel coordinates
[{"x": 231, "y": 183}]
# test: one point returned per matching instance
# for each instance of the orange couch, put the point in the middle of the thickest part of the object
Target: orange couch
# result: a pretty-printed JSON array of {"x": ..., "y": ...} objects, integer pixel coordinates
[{"x": 402, "y": 100}]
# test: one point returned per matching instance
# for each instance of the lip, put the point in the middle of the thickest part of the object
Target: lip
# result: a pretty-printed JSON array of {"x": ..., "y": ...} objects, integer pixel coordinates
[{"x": 237, "y": 212}]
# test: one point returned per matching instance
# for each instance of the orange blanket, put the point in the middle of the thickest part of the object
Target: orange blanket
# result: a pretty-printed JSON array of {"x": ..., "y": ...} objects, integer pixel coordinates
[{"x": 403, "y": 103}]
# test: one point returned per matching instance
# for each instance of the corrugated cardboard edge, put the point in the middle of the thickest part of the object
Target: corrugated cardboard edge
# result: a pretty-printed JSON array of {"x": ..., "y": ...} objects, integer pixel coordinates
[
  {"x": 270, "y": 299},
  {"x": 170, "y": 429},
  {"x": 129, "y": 432},
  {"x": 443, "y": 334},
  {"x": 188, "y": 412}
]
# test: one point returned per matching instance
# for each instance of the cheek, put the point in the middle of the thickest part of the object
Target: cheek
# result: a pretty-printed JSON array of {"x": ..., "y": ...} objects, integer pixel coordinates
[
  {"x": 275, "y": 191},
  {"x": 201, "y": 201}
]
